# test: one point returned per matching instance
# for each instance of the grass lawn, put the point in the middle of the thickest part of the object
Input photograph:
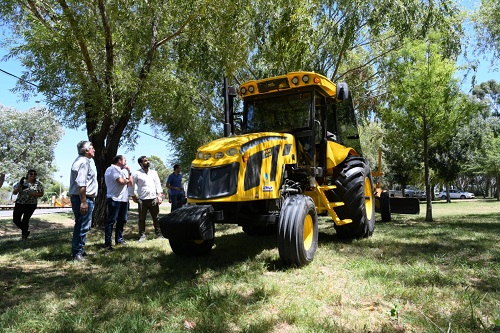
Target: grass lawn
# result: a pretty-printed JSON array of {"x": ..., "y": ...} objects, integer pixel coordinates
[{"x": 411, "y": 276}]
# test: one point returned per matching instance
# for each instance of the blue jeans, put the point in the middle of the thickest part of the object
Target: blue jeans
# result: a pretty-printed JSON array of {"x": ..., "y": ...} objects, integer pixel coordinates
[
  {"x": 178, "y": 200},
  {"x": 82, "y": 224},
  {"x": 117, "y": 212}
]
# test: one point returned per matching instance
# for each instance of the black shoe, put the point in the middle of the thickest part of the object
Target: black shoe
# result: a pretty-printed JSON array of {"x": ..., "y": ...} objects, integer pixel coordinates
[
  {"x": 142, "y": 238},
  {"x": 79, "y": 257},
  {"x": 122, "y": 243},
  {"x": 107, "y": 248},
  {"x": 24, "y": 237}
]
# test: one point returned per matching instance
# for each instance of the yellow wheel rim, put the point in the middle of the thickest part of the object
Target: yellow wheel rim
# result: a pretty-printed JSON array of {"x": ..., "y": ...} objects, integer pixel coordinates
[
  {"x": 308, "y": 232},
  {"x": 368, "y": 198}
]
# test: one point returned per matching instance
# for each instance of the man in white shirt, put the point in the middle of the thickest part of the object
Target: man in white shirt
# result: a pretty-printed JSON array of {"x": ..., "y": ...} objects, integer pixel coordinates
[
  {"x": 117, "y": 178},
  {"x": 149, "y": 196}
]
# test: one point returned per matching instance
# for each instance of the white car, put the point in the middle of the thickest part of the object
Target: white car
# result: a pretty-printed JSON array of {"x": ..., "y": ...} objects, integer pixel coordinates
[{"x": 457, "y": 194}]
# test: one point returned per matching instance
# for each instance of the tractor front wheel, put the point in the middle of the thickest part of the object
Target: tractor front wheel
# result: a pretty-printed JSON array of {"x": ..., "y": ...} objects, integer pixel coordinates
[{"x": 298, "y": 230}]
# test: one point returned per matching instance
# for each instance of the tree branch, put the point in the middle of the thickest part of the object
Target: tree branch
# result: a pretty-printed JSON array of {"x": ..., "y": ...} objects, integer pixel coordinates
[
  {"x": 175, "y": 34},
  {"x": 81, "y": 42},
  {"x": 369, "y": 61}
]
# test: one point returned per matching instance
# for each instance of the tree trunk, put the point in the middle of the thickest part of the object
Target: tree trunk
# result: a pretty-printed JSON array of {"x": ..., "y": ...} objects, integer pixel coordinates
[
  {"x": 498, "y": 187},
  {"x": 427, "y": 176},
  {"x": 448, "y": 199},
  {"x": 2, "y": 179},
  {"x": 103, "y": 158}
]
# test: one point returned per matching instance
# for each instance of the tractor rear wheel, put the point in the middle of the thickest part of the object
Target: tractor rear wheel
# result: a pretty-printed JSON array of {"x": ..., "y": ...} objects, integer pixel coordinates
[
  {"x": 355, "y": 189},
  {"x": 298, "y": 230}
]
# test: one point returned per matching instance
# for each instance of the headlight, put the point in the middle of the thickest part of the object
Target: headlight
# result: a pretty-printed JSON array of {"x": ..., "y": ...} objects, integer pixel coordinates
[
  {"x": 200, "y": 155},
  {"x": 231, "y": 152},
  {"x": 207, "y": 156},
  {"x": 218, "y": 155}
]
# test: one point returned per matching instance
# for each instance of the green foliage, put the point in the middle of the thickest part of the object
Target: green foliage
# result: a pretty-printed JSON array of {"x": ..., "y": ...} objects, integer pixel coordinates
[
  {"x": 487, "y": 23},
  {"x": 424, "y": 106},
  {"x": 449, "y": 156},
  {"x": 163, "y": 172},
  {"x": 109, "y": 66},
  {"x": 343, "y": 40},
  {"x": 489, "y": 93},
  {"x": 27, "y": 141}
]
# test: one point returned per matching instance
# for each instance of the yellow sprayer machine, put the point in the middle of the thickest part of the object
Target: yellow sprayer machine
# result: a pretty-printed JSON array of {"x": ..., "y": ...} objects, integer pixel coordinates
[{"x": 298, "y": 157}]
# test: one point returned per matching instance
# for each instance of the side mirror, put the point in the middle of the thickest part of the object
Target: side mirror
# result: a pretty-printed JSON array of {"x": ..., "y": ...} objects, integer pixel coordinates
[{"x": 342, "y": 91}]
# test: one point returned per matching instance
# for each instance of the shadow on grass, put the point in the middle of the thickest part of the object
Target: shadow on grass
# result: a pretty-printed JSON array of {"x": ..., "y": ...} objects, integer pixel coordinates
[
  {"x": 148, "y": 276},
  {"x": 443, "y": 246}
]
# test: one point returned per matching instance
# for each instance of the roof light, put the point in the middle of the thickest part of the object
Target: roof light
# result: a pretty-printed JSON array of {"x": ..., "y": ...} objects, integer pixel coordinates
[
  {"x": 295, "y": 80},
  {"x": 305, "y": 78},
  {"x": 251, "y": 89},
  {"x": 207, "y": 156},
  {"x": 218, "y": 155}
]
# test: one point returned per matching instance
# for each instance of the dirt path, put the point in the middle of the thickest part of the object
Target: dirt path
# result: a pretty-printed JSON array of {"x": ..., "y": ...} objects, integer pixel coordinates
[
  {"x": 59, "y": 221},
  {"x": 54, "y": 221}
]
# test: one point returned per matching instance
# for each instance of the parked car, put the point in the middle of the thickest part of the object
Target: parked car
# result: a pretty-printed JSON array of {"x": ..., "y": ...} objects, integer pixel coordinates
[
  {"x": 457, "y": 194},
  {"x": 410, "y": 192}
]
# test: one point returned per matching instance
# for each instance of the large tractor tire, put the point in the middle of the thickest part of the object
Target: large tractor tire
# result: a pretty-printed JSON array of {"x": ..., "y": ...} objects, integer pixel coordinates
[
  {"x": 298, "y": 231},
  {"x": 189, "y": 230},
  {"x": 355, "y": 189},
  {"x": 191, "y": 247}
]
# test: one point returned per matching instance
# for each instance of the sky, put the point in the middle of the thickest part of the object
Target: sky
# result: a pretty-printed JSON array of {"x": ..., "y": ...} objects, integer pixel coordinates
[{"x": 65, "y": 152}]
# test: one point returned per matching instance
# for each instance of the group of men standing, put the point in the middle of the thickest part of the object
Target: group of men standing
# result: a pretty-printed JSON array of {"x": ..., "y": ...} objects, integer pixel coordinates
[{"x": 121, "y": 185}]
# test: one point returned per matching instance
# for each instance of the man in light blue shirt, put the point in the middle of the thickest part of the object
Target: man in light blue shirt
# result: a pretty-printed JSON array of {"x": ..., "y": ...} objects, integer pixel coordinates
[{"x": 83, "y": 190}]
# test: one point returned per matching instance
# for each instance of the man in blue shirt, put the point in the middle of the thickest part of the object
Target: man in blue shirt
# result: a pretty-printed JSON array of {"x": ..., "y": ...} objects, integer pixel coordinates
[{"x": 174, "y": 183}]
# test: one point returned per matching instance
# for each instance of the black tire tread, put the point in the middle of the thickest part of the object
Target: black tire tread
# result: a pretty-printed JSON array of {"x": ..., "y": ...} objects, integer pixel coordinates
[{"x": 350, "y": 189}]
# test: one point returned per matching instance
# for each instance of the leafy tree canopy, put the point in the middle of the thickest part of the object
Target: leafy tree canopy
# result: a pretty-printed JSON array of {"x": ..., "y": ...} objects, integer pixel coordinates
[
  {"x": 111, "y": 65},
  {"x": 343, "y": 40},
  {"x": 27, "y": 141},
  {"x": 489, "y": 92},
  {"x": 424, "y": 104},
  {"x": 487, "y": 23}
]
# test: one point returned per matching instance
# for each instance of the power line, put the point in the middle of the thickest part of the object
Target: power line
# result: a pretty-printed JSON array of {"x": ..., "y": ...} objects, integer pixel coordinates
[
  {"x": 17, "y": 77},
  {"x": 153, "y": 136},
  {"x": 33, "y": 84}
]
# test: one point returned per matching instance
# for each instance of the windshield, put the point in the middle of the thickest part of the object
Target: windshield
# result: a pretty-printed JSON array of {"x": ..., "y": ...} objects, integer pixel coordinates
[{"x": 278, "y": 114}]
